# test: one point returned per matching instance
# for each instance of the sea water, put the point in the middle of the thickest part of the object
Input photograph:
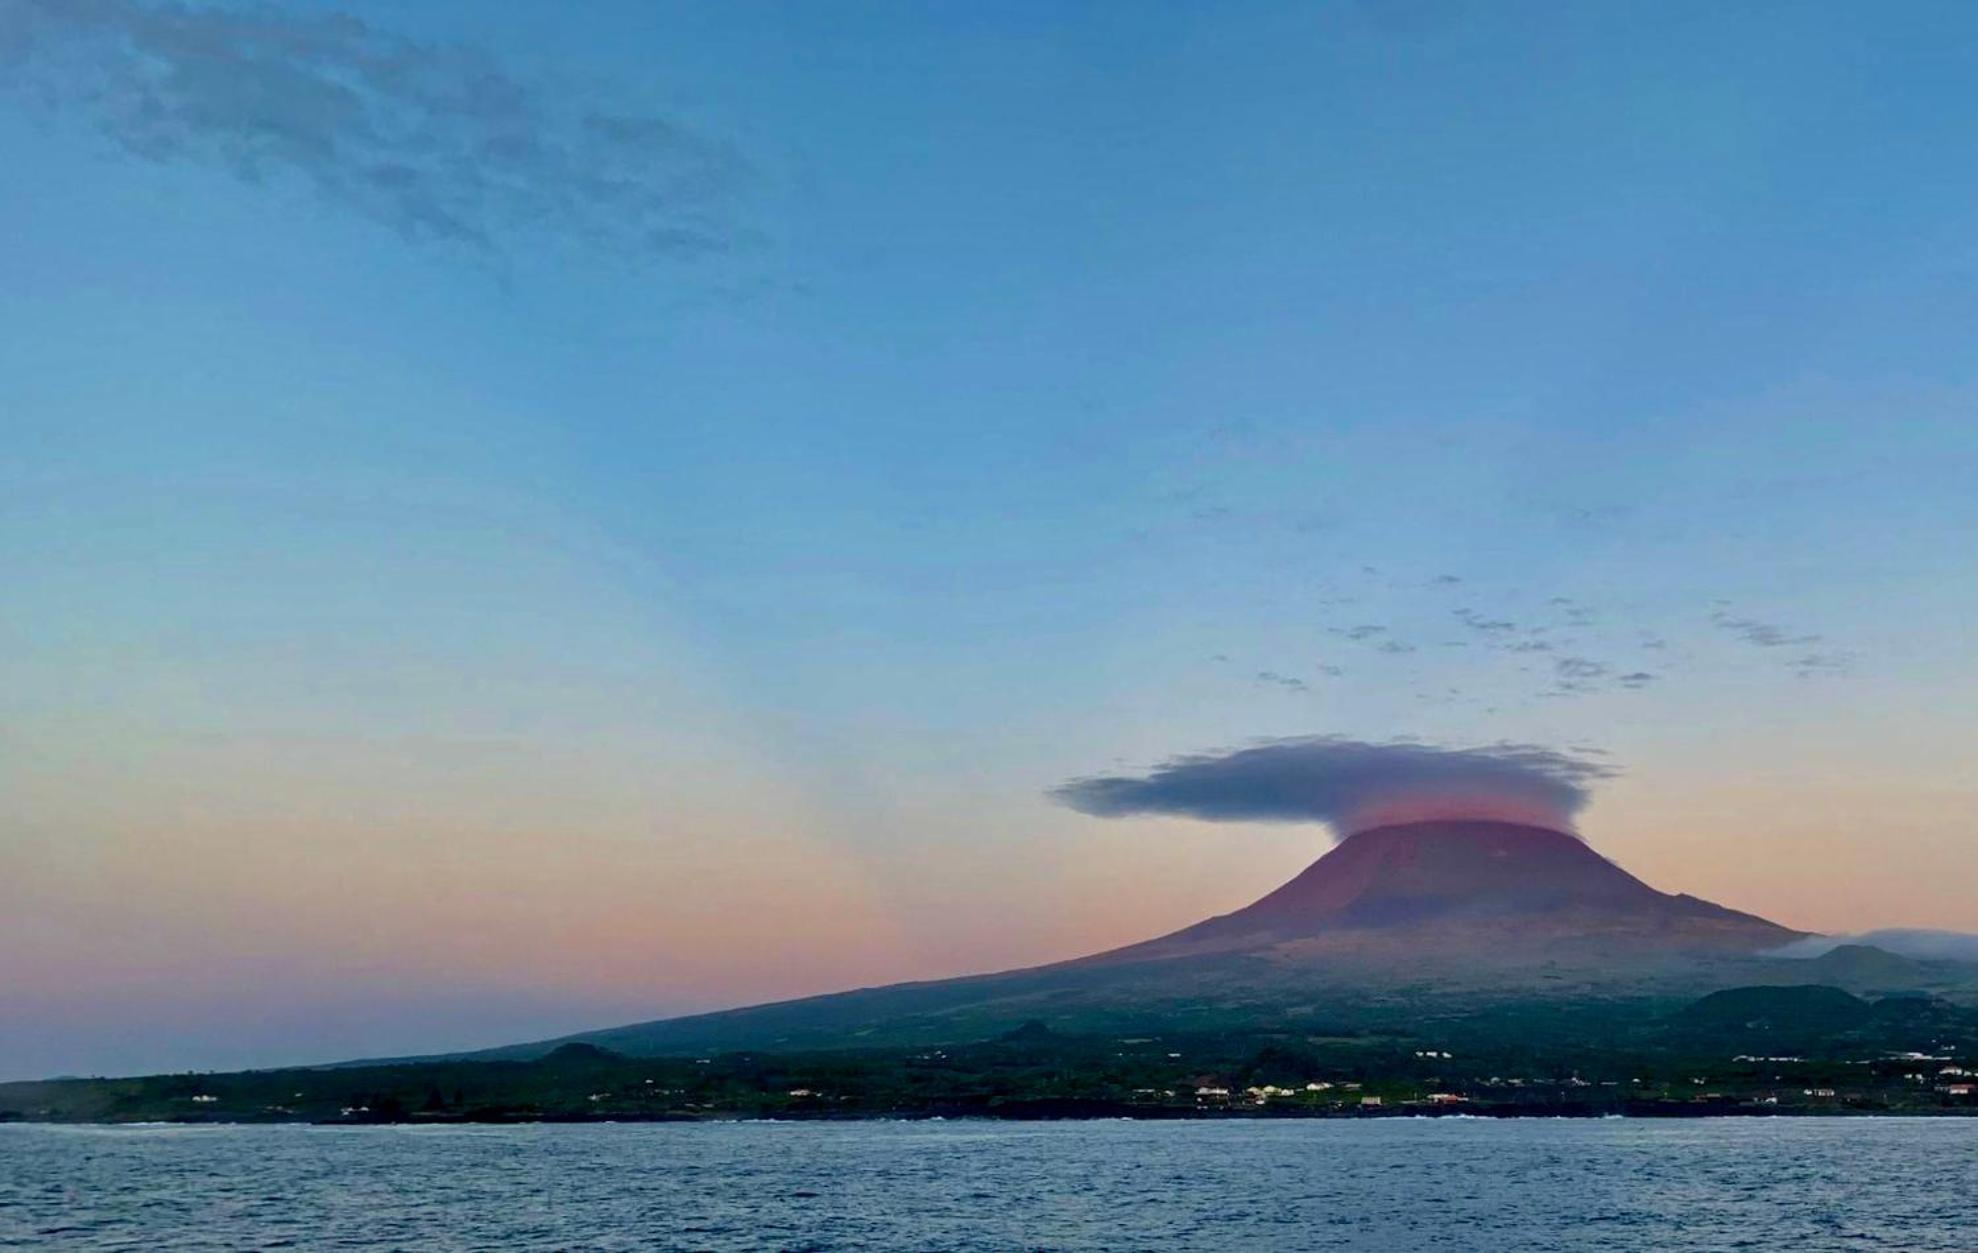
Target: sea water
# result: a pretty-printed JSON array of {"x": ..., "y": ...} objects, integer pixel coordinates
[{"x": 1791, "y": 1183}]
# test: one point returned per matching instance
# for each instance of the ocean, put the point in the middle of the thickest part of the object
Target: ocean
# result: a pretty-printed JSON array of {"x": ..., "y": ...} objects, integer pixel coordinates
[{"x": 1803, "y": 1184}]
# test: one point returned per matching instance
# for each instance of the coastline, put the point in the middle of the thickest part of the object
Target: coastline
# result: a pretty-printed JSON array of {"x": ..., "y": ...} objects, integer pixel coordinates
[{"x": 1043, "y": 1112}]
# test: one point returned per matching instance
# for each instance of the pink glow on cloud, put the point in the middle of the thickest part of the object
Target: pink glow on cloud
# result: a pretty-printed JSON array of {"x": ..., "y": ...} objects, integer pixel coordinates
[{"x": 1472, "y": 805}]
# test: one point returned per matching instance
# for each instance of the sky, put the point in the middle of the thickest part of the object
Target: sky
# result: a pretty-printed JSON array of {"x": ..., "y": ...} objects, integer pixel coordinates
[{"x": 516, "y": 519}]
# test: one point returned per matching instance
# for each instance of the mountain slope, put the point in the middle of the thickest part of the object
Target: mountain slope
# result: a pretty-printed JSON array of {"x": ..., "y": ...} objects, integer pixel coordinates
[
  {"x": 1445, "y": 885},
  {"x": 1390, "y": 923}
]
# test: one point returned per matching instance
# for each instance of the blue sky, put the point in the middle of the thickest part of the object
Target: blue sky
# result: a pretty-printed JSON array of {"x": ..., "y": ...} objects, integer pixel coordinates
[{"x": 897, "y": 411}]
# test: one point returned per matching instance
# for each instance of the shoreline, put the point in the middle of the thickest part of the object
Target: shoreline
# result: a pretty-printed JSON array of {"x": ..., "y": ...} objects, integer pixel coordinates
[{"x": 1029, "y": 1116}]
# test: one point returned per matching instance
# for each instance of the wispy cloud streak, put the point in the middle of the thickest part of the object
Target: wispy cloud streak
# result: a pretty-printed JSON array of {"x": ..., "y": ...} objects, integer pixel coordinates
[{"x": 436, "y": 143}]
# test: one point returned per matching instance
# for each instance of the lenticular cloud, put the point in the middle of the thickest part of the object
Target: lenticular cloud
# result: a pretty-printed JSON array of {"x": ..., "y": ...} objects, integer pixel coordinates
[{"x": 1350, "y": 785}]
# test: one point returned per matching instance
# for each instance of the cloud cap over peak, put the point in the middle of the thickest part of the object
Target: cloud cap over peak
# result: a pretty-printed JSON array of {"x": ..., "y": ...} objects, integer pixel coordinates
[{"x": 1350, "y": 785}]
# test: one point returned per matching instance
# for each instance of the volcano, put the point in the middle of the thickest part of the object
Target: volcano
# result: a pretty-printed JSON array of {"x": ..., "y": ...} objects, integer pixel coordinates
[
  {"x": 1441, "y": 886},
  {"x": 1405, "y": 916}
]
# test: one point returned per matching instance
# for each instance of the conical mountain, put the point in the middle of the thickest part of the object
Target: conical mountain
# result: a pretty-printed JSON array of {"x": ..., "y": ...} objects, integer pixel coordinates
[
  {"x": 1476, "y": 912},
  {"x": 1438, "y": 885}
]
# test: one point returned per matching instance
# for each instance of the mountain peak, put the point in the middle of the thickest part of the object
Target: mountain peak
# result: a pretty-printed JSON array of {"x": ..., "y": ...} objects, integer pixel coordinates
[{"x": 1433, "y": 882}]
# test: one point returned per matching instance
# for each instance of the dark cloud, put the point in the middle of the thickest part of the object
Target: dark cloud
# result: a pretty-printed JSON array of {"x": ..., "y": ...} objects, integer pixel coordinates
[
  {"x": 1760, "y": 634},
  {"x": 1577, "y": 676},
  {"x": 1285, "y": 681},
  {"x": 1365, "y": 631},
  {"x": 1813, "y": 665},
  {"x": 1372, "y": 635},
  {"x": 1478, "y": 622},
  {"x": 435, "y": 143},
  {"x": 1350, "y": 785},
  {"x": 1573, "y": 612}
]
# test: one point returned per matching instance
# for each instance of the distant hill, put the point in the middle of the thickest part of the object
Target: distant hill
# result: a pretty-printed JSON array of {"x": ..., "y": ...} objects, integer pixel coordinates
[
  {"x": 1913, "y": 943},
  {"x": 1816, "y": 1020},
  {"x": 1801, "y": 1008},
  {"x": 1394, "y": 923},
  {"x": 578, "y": 1054},
  {"x": 1866, "y": 965}
]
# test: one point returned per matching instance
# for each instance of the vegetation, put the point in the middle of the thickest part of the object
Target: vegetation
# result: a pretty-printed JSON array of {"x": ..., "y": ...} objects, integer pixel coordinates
[{"x": 1745, "y": 1050}]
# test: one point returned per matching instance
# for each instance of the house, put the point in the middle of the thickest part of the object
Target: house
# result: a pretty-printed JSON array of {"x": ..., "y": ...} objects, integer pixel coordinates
[
  {"x": 1446, "y": 1098},
  {"x": 1369, "y": 1102},
  {"x": 1958, "y": 1089}
]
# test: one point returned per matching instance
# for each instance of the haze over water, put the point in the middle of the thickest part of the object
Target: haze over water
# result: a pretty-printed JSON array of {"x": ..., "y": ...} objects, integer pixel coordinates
[{"x": 1811, "y": 1184}]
